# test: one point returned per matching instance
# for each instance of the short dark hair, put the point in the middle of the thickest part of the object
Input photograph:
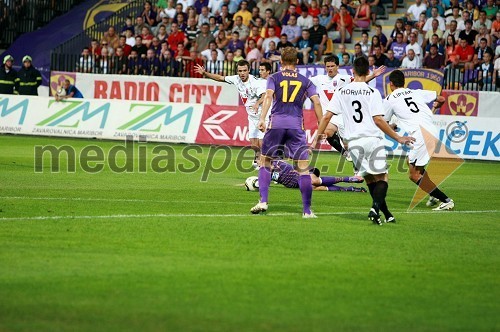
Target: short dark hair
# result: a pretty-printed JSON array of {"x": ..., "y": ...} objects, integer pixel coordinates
[
  {"x": 267, "y": 66},
  {"x": 361, "y": 66},
  {"x": 397, "y": 78},
  {"x": 242, "y": 63},
  {"x": 332, "y": 58}
]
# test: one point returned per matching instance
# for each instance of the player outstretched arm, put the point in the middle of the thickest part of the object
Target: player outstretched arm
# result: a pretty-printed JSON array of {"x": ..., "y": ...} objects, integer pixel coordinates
[
  {"x": 377, "y": 72},
  {"x": 317, "y": 107},
  {"x": 323, "y": 123},
  {"x": 266, "y": 105},
  {"x": 201, "y": 70},
  {"x": 438, "y": 103},
  {"x": 384, "y": 126}
]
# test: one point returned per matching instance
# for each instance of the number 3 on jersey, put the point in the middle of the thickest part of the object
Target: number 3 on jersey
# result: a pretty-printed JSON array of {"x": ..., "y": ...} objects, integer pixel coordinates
[
  {"x": 296, "y": 84},
  {"x": 357, "y": 109}
]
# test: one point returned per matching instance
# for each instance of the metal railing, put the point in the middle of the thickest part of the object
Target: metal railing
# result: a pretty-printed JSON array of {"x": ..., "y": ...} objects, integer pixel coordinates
[
  {"x": 157, "y": 66},
  {"x": 21, "y": 16},
  {"x": 117, "y": 20},
  {"x": 470, "y": 80}
]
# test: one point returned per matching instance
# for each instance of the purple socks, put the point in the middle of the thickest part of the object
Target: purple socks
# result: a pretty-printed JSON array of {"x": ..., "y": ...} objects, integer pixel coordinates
[
  {"x": 264, "y": 182},
  {"x": 305, "y": 186}
]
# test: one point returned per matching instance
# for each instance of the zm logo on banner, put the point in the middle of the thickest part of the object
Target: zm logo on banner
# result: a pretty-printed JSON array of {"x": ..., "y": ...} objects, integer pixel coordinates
[
  {"x": 460, "y": 103},
  {"x": 148, "y": 114},
  {"x": 74, "y": 112}
]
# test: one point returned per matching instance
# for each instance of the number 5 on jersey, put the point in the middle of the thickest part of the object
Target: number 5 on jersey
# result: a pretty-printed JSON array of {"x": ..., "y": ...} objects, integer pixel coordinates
[{"x": 284, "y": 85}]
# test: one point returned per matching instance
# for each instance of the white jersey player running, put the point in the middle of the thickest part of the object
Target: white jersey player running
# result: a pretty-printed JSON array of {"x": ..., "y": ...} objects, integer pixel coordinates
[
  {"x": 250, "y": 89},
  {"x": 326, "y": 85},
  {"x": 363, "y": 116},
  {"x": 410, "y": 107}
]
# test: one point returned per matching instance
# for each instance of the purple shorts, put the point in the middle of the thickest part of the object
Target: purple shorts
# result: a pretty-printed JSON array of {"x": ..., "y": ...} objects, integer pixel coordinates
[{"x": 294, "y": 141}]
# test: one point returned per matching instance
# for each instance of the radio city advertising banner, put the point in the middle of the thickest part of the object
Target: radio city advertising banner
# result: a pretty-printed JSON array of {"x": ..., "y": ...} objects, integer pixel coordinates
[
  {"x": 149, "y": 88},
  {"x": 101, "y": 119}
]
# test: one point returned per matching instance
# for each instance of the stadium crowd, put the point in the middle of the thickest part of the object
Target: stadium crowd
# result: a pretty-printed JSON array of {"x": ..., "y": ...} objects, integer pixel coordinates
[{"x": 168, "y": 38}]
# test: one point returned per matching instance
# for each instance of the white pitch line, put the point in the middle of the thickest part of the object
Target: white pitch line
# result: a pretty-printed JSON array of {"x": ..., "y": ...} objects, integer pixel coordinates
[{"x": 194, "y": 215}]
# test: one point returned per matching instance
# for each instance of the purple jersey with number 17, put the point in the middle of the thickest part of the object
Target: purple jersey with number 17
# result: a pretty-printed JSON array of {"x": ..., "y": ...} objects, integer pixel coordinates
[{"x": 290, "y": 91}]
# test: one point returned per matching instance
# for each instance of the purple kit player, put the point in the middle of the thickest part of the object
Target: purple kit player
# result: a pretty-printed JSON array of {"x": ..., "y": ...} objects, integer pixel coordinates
[
  {"x": 284, "y": 173},
  {"x": 289, "y": 89}
]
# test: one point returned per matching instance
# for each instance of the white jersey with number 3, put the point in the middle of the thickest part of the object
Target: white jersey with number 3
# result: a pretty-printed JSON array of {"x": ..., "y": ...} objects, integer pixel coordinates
[
  {"x": 410, "y": 107},
  {"x": 358, "y": 103}
]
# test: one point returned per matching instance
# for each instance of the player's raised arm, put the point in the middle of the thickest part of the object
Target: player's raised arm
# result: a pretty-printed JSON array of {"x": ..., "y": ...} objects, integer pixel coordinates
[
  {"x": 384, "y": 126},
  {"x": 377, "y": 72},
  {"x": 201, "y": 70}
]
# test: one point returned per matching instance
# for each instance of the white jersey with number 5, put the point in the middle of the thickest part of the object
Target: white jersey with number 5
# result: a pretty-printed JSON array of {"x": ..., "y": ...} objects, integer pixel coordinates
[
  {"x": 358, "y": 103},
  {"x": 410, "y": 107}
]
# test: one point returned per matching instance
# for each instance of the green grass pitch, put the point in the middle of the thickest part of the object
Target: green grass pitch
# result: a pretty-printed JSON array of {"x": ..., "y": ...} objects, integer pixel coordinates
[{"x": 167, "y": 252}]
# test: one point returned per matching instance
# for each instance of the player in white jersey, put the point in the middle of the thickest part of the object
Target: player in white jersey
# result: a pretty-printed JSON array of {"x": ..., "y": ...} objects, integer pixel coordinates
[
  {"x": 326, "y": 85},
  {"x": 410, "y": 107},
  {"x": 250, "y": 89},
  {"x": 363, "y": 115}
]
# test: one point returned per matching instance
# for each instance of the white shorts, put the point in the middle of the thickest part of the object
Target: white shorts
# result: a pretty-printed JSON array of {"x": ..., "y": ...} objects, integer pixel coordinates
[
  {"x": 338, "y": 121},
  {"x": 253, "y": 130},
  {"x": 422, "y": 149},
  {"x": 368, "y": 155}
]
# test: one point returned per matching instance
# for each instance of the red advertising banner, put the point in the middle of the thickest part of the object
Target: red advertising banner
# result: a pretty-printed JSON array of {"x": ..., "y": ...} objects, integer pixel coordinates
[{"x": 464, "y": 103}]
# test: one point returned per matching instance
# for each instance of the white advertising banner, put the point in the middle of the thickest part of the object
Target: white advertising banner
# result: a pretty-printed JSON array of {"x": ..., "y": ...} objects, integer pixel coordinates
[
  {"x": 150, "y": 88},
  {"x": 104, "y": 119}
]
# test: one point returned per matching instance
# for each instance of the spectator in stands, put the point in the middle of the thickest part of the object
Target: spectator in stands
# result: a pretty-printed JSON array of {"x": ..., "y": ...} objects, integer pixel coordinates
[
  {"x": 130, "y": 38},
  {"x": 204, "y": 16},
  {"x": 103, "y": 63},
  {"x": 244, "y": 13},
  {"x": 176, "y": 37},
  {"x": 111, "y": 37},
  {"x": 229, "y": 66},
  {"x": 486, "y": 72},
  {"x": 482, "y": 20},
  {"x": 318, "y": 37},
  {"x": 151, "y": 65},
  {"x": 280, "y": 9},
  {"x": 482, "y": 35},
  {"x": 207, "y": 54},
  {"x": 305, "y": 21},
  {"x": 140, "y": 48},
  {"x": 344, "y": 24},
  {"x": 273, "y": 55},
  {"x": 371, "y": 63},
  {"x": 380, "y": 35},
  {"x": 139, "y": 24},
  {"x": 496, "y": 74},
  {"x": 451, "y": 50},
  {"x": 213, "y": 26},
  {"x": 469, "y": 35},
  {"x": 185, "y": 4},
  {"x": 156, "y": 46},
  {"x": 377, "y": 9},
  {"x": 194, "y": 59},
  {"x": 341, "y": 50},
  {"x": 434, "y": 4},
  {"x": 147, "y": 37},
  {"x": 283, "y": 43},
  {"x": 363, "y": 15},
  {"x": 451, "y": 31},
  {"x": 292, "y": 11},
  {"x": 379, "y": 56},
  {"x": 398, "y": 27},
  {"x": 199, "y": 5},
  {"x": 225, "y": 18},
  {"x": 349, "y": 7},
  {"x": 434, "y": 41},
  {"x": 134, "y": 63},
  {"x": 491, "y": 9},
  {"x": 162, "y": 33},
  {"x": 238, "y": 55},
  {"x": 272, "y": 38},
  {"x": 465, "y": 54},
  {"x": 166, "y": 62},
  {"x": 86, "y": 62},
  {"x": 149, "y": 14},
  {"x": 455, "y": 16},
  {"x": 304, "y": 47},
  {"x": 325, "y": 17},
  {"x": 95, "y": 48},
  {"x": 292, "y": 30},
  {"x": 28, "y": 78},
  {"x": 413, "y": 45},
  {"x": 376, "y": 42},
  {"x": 411, "y": 61},
  {"x": 191, "y": 30},
  {"x": 358, "y": 53},
  {"x": 235, "y": 43},
  {"x": 465, "y": 18},
  {"x": 345, "y": 60},
  {"x": 128, "y": 25},
  {"x": 222, "y": 41},
  {"x": 433, "y": 60},
  {"x": 435, "y": 30},
  {"x": 263, "y": 5},
  {"x": 120, "y": 61},
  {"x": 179, "y": 9},
  {"x": 256, "y": 37},
  {"x": 391, "y": 61},
  {"x": 168, "y": 11},
  {"x": 203, "y": 39},
  {"x": 366, "y": 45},
  {"x": 181, "y": 22},
  {"x": 109, "y": 49},
  {"x": 239, "y": 27},
  {"x": 480, "y": 51},
  {"x": 495, "y": 28},
  {"x": 271, "y": 23},
  {"x": 473, "y": 11},
  {"x": 253, "y": 54},
  {"x": 313, "y": 8},
  {"x": 398, "y": 47},
  {"x": 414, "y": 11},
  {"x": 431, "y": 23},
  {"x": 122, "y": 43}
]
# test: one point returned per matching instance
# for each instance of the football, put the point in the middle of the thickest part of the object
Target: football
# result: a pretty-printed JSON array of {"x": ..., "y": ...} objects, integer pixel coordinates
[{"x": 252, "y": 183}]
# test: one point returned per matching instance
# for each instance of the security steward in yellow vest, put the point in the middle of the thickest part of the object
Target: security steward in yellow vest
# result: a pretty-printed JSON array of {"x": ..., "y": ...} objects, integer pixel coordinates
[
  {"x": 8, "y": 76},
  {"x": 29, "y": 78}
]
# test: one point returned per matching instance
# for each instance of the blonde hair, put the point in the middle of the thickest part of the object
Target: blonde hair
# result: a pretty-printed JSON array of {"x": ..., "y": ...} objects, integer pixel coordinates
[{"x": 289, "y": 56}]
